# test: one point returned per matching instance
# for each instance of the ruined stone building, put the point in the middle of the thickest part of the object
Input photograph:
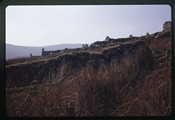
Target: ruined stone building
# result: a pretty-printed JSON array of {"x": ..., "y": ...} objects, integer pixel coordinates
[
  {"x": 44, "y": 53},
  {"x": 107, "y": 38},
  {"x": 167, "y": 26}
]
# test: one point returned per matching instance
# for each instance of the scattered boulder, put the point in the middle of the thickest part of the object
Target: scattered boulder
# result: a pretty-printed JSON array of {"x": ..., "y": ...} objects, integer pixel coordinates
[{"x": 130, "y": 36}]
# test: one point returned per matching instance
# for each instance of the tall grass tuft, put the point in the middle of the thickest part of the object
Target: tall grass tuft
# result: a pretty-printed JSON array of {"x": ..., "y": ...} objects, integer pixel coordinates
[{"x": 116, "y": 89}]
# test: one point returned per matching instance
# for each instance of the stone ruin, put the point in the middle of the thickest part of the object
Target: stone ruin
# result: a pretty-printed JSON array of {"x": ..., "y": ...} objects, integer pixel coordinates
[
  {"x": 167, "y": 26},
  {"x": 45, "y": 53},
  {"x": 107, "y": 38}
]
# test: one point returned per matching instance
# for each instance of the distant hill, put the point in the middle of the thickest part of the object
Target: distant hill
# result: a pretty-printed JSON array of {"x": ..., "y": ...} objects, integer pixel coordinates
[{"x": 14, "y": 51}]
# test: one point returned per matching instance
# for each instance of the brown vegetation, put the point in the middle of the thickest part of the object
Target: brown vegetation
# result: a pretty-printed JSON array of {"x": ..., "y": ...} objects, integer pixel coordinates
[
  {"x": 18, "y": 75},
  {"x": 19, "y": 60},
  {"x": 115, "y": 90},
  {"x": 133, "y": 79}
]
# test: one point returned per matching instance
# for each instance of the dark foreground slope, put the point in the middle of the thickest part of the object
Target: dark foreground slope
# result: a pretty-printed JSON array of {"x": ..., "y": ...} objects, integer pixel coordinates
[{"x": 129, "y": 79}]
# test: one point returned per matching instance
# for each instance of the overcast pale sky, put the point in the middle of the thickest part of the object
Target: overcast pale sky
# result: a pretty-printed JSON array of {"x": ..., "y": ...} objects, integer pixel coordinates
[{"x": 52, "y": 25}]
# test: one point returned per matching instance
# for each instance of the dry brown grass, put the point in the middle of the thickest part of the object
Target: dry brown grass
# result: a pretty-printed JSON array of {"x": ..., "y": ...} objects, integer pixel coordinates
[
  {"x": 99, "y": 93},
  {"x": 159, "y": 46},
  {"x": 127, "y": 88},
  {"x": 114, "y": 90},
  {"x": 19, "y": 60},
  {"x": 151, "y": 97}
]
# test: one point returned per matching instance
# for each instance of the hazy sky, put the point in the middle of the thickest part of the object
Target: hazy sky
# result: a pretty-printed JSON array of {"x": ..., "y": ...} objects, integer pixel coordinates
[{"x": 51, "y": 25}]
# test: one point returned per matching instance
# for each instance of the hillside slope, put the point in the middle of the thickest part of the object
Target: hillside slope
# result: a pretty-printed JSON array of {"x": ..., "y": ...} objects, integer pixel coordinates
[
  {"x": 75, "y": 61},
  {"x": 130, "y": 78}
]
